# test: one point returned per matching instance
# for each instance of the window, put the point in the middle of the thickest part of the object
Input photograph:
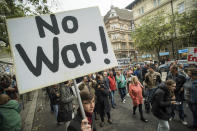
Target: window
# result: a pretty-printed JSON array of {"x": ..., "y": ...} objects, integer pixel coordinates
[
  {"x": 156, "y": 3},
  {"x": 181, "y": 8},
  {"x": 124, "y": 46},
  {"x": 141, "y": 10}
]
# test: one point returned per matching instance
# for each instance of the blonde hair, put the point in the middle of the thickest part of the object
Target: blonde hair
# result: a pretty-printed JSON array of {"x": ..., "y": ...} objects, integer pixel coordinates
[{"x": 133, "y": 80}]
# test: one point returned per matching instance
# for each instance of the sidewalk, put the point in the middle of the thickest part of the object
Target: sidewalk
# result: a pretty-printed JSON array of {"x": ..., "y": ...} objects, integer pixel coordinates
[{"x": 28, "y": 111}]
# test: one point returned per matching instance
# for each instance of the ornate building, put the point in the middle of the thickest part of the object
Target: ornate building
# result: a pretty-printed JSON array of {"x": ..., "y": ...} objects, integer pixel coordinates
[{"x": 118, "y": 25}]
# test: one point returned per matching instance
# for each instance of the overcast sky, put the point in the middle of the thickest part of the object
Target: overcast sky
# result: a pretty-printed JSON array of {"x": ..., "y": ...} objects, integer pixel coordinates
[{"x": 104, "y": 5}]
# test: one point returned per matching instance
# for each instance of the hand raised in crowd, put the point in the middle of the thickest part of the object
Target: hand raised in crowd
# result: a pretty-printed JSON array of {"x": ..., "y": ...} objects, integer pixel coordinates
[{"x": 85, "y": 126}]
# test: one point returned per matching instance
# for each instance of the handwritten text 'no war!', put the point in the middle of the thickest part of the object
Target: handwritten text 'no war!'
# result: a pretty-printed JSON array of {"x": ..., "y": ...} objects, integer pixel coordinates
[{"x": 54, "y": 66}]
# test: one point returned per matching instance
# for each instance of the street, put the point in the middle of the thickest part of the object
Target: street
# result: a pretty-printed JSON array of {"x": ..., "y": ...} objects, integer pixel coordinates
[{"x": 122, "y": 118}]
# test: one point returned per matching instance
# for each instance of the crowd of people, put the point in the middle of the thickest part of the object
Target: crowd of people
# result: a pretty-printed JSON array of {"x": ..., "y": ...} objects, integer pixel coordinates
[{"x": 144, "y": 85}]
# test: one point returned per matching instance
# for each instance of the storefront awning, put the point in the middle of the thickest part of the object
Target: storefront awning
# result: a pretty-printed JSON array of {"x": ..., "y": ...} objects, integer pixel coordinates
[
  {"x": 183, "y": 51},
  {"x": 163, "y": 53}
]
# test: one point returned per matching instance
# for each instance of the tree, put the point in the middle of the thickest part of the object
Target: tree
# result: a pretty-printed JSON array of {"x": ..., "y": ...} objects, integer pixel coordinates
[
  {"x": 187, "y": 27},
  {"x": 153, "y": 33},
  {"x": 11, "y": 9}
]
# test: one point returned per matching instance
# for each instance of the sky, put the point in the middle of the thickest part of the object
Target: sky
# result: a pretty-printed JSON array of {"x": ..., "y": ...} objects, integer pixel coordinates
[{"x": 104, "y": 5}]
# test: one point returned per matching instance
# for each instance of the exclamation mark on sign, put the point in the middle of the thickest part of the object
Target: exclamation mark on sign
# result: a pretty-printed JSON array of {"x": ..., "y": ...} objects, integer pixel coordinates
[{"x": 104, "y": 43}]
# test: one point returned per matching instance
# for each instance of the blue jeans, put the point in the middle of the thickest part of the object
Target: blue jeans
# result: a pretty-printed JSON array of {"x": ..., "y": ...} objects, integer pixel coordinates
[
  {"x": 55, "y": 108},
  {"x": 149, "y": 95},
  {"x": 112, "y": 98},
  {"x": 193, "y": 108},
  {"x": 163, "y": 125},
  {"x": 179, "y": 108},
  {"x": 122, "y": 93}
]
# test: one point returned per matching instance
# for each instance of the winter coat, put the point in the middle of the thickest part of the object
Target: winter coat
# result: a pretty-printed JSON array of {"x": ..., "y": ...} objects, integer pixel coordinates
[
  {"x": 66, "y": 98},
  {"x": 53, "y": 94},
  {"x": 102, "y": 95},
  {"x": 161, "y": 103},
  {"x": 180, "y": 80},
  {"x": 121, "y": 81},
  {"x": 11, "y": 120},
  {"x": 138, "y": 73},
  {"x": 75, "y": 124},
  {"x": 135, "y": 91},
  {"x": 152, "y": 79},
  {"x": 112, "y": 83}
]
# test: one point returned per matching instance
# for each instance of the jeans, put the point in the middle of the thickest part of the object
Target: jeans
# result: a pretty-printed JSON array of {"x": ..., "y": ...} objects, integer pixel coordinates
[
  {"x": 163, "y": 125},
  {"x": 112, "y": 98},
  {"x": 193, "y": 108},
  {"x": 179, "y": 108},
  {"x": 55, "y": 108},
  {"x": 122, "y": 92},
  {"x": 149, "y": 95}
]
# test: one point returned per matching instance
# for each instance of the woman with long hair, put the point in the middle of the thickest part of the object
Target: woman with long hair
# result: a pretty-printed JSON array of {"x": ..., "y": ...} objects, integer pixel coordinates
[{"x": 135, "y": 91}]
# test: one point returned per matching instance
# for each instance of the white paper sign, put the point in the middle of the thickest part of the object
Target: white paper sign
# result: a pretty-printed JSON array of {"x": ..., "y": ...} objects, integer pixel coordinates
[
  {"x": 50, "y": 49},
  {"x": 192, "y": 55}
]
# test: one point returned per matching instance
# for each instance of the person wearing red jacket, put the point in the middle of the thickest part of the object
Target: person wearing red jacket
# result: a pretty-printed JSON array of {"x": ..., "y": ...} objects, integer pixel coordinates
[
  {"x": 112, "y": 85},
  {"x": 135, "y": 91}
]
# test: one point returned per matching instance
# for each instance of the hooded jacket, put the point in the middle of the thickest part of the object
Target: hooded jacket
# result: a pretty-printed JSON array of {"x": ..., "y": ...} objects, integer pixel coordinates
[
  {"x": 11, "y": 120},
  {"x": 161, "y": 104}
]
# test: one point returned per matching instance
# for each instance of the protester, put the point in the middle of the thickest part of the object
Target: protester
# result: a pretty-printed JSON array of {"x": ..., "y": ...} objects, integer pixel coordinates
[
  {"x": 88, "y": 124},
  {"x": 161, "y": 104},
  {"x": 135, "y": 91},
  {"x": 112, "y": 85},
  {"x": 10, "y": 119},
  {"x": 179, "y": 91},
  {"x": 138, "y": 73},
  {"x": 191, "y": 86},
  {"x": 103, "y": 106},
  {"x": 55, "y": 98},
  {"x": 152, "y": 80},
  {"x": 121, "y": 84},
  {"x": 65, "y": 104}
]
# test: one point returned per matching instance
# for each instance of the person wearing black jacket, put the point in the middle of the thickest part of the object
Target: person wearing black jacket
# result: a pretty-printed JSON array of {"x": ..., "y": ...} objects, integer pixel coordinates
[
  {"x": 179, "y": 91},
  {"x": 103, "y": 106},
  {"x": 161, "y": 104}
]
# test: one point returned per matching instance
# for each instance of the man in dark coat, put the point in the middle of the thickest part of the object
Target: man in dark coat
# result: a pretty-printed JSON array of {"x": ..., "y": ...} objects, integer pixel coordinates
[
  {"x": 161, "y": 104},
  {"x": 179, "y": 91},
  {"x": 103, "y": 106},
  {"x": 80, "y": 124}
]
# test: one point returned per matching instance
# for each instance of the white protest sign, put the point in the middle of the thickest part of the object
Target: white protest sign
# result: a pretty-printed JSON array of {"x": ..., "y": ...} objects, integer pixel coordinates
[
  {"x": 192, "y": 55},
  {"x": 53, "y": 48}
]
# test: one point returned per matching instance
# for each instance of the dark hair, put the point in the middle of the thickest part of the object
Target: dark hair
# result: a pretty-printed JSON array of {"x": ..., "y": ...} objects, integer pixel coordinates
[
  {"x": 175, "y": 67},
  {"x": 193, "y": 71},
  {"x": 170, "y": 82},
  {"x": 87, "y": 95}
]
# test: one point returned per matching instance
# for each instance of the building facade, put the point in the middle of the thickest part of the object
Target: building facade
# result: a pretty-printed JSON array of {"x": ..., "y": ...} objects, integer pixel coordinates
[
  {"x": 143, "y": 8},
  {"x": 118, "y": 25}
]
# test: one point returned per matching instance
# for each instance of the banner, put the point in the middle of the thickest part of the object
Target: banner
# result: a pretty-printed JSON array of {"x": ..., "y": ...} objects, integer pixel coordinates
[
  {"x": 53, "y": 48},
  {"x": 192, "y": 55}
]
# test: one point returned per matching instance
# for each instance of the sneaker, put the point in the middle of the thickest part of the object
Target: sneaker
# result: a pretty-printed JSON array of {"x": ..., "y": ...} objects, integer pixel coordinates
[
  {"x": 144, "y": 120},
  {"x": 184, "y": 122},
  {"x": 101, "y": 124},
  {"x": 109, "y": 121},
  {"x": 171, "y": 119},
  {"x": 124, "y": 101}
]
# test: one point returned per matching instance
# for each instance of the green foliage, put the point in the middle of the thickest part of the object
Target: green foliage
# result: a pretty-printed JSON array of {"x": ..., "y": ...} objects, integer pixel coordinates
[
  {"x": 153, "y": 33},
  {"x": 10, "y": 9},
  {"x": 187, "y": 26}
]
